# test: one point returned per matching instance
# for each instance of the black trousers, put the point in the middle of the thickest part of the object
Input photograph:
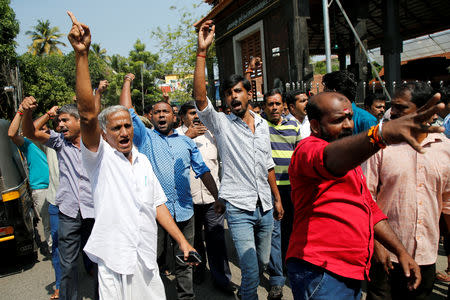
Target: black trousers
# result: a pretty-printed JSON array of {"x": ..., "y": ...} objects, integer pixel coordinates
[
  {"x": 183, "y": 273},
  {"x": 395, "y": 285},
  {"x": 288, "y": 218},
  {"x": 73, "y": 234},
  {"x": 216, "y": 250}
]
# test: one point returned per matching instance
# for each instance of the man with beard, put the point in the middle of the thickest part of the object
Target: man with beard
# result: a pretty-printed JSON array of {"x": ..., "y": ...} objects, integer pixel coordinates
[
  {"x": 172, "y": 156},
  {"x": 284, "y": 137},
  {"x": 336, "y": 219},
  {"x": 412, "y": 189},
  {"x": 376, "y": 105},
  {"x": 248, "y": 168}
]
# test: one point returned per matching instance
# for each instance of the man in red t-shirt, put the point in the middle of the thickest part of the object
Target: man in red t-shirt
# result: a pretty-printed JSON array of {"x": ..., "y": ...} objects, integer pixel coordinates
[{"x": 335, "y": 217}]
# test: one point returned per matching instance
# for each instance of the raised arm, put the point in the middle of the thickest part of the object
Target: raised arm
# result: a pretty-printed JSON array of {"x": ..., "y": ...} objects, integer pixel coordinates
[
  {"x": 205, "y": 39},
  {"x": 42, "y": 120},
  {"x": 29, "y": 104},
  {"x": 125, "y": 95},
  {"x": 102, "y": 86},
  {"x": 254, "y": 63},
  {"x": 80, "y": 39},
  {"x": 336, "y": 154},
  {"x": 13, "y": 130}
]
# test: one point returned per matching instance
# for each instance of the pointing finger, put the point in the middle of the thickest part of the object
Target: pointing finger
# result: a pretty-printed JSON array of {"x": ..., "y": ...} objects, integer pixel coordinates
[
  {"x": 72, "y": 17},
  {"x": 75, "y": 22}
]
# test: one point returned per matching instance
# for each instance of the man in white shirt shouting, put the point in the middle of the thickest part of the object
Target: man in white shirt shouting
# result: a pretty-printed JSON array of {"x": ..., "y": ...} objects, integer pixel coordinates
[{"x": 128, "y": 198}]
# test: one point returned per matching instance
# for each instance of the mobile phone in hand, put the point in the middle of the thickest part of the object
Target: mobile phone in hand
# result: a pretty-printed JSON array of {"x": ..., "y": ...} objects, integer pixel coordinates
[{"x": 193, "y": 257}]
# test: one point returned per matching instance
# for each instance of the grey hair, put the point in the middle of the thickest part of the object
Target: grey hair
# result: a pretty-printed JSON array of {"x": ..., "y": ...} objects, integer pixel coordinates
[
  {"x": 70, "y": 109},
  {"x": 103, "y": 116}
]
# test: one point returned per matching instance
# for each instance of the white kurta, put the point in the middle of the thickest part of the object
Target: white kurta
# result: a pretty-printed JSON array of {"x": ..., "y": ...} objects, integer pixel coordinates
[{"x": 124, "y": 237}]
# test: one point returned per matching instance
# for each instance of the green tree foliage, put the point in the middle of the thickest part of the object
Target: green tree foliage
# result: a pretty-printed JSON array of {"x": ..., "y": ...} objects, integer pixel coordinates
[
  {"x": 179, "y": 45},
  {"x": 42, "y": 78},
  {"x": 321, "y": 68},
  {"x": 45, "y": 39},
  {"x": 96, "y": 49},
  {"x": 51, "y": 78},
  {"x": 9, "y": 28},
  {"x": 138, "y": 62}
]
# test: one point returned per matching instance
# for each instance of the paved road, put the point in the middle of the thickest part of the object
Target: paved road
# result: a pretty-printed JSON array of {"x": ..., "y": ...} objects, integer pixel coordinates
[{"x": 30, "y": 280}]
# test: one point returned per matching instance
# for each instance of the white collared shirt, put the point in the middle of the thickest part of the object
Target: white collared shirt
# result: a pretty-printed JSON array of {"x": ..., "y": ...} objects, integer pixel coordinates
[
  {"x": 207, "y": 146},
  {"x": 125, "y": 199}
]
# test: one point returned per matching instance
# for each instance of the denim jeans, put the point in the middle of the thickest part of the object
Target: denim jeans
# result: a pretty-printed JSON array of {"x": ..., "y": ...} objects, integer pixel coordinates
[
  {"x": 54, "y": 220},
  {"x": 251, "y": 232},
  {"x": 275, "y": 267},
  {"x": 310, "y": 282}
]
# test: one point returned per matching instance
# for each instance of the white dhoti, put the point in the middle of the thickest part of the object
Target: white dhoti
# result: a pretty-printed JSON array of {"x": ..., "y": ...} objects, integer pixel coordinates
[{"x": 143, "y": 284}]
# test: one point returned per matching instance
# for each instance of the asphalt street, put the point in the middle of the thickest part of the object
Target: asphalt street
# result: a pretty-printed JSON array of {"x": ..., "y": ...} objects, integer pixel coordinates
[{"x": 27, "y": 279}]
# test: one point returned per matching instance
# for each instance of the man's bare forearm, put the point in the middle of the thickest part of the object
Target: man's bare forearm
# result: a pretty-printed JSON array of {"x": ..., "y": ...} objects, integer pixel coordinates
[
  {"x": 13, "y": 130},
  {"x": 387, "y": 237},
  {"x": 125, "y": 95},
  {"x": 273, "y": 185},
  {"x": 166, "y": 221},
  {"x": 210, "y": 184},
  {"x": 347, "y": 153},
  {"x": 199, "y": 79}
]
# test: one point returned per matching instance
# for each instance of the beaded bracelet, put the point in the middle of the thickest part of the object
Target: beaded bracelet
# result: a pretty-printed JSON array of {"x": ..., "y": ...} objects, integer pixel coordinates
[
  {"x": 374, "y": 138},
  {"x": 20, "y": 112},
  {"x": 201, "y": 55}
]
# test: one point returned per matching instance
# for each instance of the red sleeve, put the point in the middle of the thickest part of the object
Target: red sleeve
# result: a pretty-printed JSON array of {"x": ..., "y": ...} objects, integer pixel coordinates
[{"x": 307, "y": 159}]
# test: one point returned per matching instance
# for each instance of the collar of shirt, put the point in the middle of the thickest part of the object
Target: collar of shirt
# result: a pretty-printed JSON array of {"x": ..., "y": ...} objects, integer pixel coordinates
[{"x": 175, "y": 133}]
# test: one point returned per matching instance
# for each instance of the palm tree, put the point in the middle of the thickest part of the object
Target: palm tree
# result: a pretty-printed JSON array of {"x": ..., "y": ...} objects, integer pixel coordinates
[
  {"x": 45, "y": 39},
  {"x": 101, "y": 53}
]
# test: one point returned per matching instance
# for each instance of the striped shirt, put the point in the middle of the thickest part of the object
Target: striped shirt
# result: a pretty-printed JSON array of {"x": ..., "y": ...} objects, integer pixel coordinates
[{"x": 283, "y": 140}]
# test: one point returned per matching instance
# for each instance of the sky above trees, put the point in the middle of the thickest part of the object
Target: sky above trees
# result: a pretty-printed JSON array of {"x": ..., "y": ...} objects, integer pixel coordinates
[{"x": 115, "y": 25}]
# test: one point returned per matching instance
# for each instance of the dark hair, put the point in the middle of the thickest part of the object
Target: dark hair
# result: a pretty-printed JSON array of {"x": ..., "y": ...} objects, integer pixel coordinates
[
  {"x": 273, "y": 92},
  {"x": 235, "y": 79},
  {"x": 368, "y": 101},
  {"x": 162, "y": 101},
  {"x": 148, "y": 108},
  {"x": 445, "y": 94},
  {"x": 185, "y": 107},
  {"x": 342, "y": 82},
  {"x": 290, "y": 97},
  {"x": 420, "y": 91}
]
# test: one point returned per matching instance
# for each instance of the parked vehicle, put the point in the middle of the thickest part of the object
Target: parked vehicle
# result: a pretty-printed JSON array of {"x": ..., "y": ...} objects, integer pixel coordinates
[{"x": 16, "y": 205}]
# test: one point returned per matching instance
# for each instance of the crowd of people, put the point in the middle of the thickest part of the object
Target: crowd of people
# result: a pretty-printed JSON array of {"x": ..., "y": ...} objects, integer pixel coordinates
[{"x": 313, "y": 188}]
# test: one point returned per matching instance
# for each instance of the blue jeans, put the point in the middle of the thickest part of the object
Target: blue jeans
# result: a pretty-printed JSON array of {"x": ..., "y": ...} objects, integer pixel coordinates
[
  {"x": 54, "y": 220},
  {"x": 275, "y": 267},
  {"x": 251, "y": 232},
  {"x": 310, "y": 282}
]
